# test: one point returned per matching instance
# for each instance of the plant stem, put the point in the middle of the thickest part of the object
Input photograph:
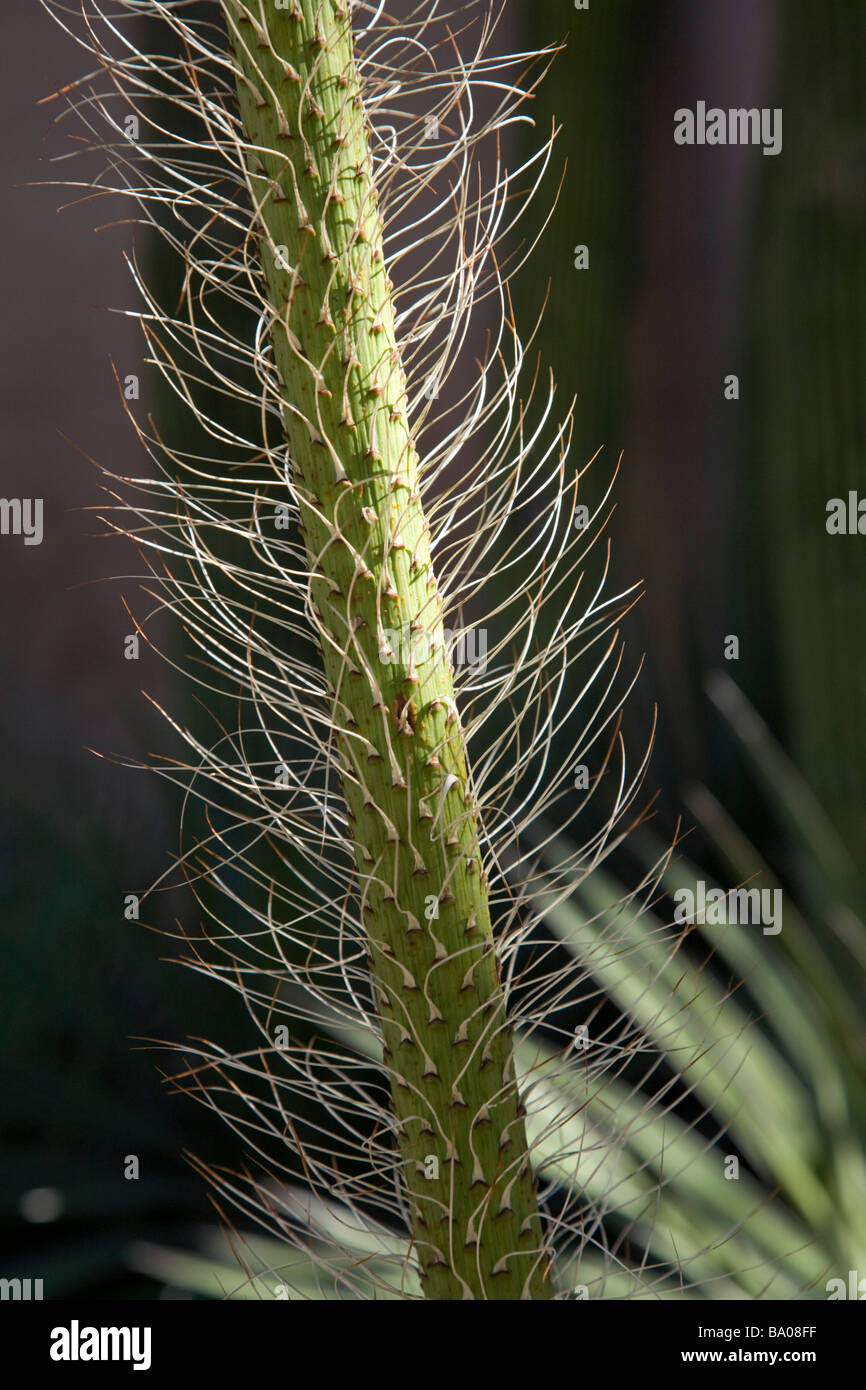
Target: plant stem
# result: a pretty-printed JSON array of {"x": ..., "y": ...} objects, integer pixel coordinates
[{"x": 474, "y": 1212}]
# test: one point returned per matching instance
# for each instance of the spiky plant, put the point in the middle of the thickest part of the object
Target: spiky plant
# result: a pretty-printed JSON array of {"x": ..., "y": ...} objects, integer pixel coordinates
[
  {"x": 371, "y": 487},
  {"x": 788, "y": 1102}
]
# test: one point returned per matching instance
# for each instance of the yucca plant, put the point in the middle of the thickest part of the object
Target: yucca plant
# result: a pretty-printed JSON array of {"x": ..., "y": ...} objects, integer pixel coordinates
[
  {"x": 767, "y": 1198},
  {"x": 453, "y": 1084}
]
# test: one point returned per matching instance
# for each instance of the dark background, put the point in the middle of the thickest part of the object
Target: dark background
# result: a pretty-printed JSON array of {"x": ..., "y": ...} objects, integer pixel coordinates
[{"x": 703, "y": 262}]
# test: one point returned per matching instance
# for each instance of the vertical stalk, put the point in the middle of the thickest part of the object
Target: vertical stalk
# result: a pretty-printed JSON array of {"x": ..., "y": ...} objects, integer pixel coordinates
[{"x": 476, "y": 1227}]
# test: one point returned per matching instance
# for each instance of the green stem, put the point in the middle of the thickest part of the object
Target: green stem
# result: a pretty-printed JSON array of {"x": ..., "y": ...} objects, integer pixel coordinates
[{"x": 476, "y": 1227}]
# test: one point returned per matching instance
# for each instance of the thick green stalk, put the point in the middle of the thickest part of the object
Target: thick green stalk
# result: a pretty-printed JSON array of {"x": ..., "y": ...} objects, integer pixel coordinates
[{"x": 475, "y": 1218}]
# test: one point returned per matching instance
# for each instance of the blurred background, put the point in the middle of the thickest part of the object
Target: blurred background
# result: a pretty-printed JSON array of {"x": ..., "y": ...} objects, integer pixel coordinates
[{"x": 702, "y": 263}]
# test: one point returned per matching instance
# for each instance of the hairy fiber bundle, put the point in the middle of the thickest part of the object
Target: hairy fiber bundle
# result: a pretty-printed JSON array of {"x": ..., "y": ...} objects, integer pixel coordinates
[{"x": 379, "y": 845}]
